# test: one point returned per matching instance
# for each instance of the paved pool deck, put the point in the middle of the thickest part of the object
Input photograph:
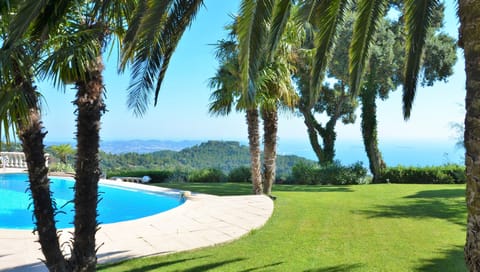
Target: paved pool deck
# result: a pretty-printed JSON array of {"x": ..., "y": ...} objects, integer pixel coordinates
[{"x": 203, "y": 220}]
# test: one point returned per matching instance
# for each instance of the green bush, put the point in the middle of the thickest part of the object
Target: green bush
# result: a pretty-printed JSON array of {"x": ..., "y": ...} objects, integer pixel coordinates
[
  {"x": 61, "y": 167},
  {"x": 207, "y": 175},
  {"x": 333, "y": 174},
  {"x": 304, "y": 173},
  {"x": 446, "y": 174},
  {"x": 240, "y": 174}
]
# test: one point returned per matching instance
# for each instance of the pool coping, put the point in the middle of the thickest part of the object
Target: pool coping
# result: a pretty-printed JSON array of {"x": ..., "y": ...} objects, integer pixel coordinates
[{"x": 203, "y": 220}]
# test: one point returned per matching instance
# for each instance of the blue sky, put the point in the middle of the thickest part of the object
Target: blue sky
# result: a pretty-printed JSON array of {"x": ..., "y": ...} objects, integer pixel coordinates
[{"x": 181, "y": 113}]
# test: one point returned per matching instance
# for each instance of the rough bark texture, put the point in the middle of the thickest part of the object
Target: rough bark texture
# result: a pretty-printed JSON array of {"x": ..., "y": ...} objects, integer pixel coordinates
[
  {"x": 270, "y": 128},
  {"x": 369, "y": 132},
  {"x": 31, "y": 136},
  {"x": 325, "y": 154},
  {"x": 254, "y": 144},
  {"x": 469, "y": 13},
  {"x": 90, "y": 107}
]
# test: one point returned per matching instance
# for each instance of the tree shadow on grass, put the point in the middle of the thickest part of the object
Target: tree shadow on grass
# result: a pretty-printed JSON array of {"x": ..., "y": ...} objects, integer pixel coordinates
[
  {"x": 444, "y": 193},
  {"x": 442, "y": 204},
  {"x": 150, "y": 267},
  {"x": 452, "y": 261},
  {"x": 311, "y": 188},
  {"x": 337, "y": 268},
  {"x": 262, "y": 267},
  {"x": 206, "y": 267}
]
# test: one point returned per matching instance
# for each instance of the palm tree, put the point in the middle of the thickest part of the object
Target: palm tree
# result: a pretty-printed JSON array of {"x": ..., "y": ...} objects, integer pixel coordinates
[
  {"x": 274, "y": 92},
  {"x": 20, "y": 111},
  {"x": 63, "y": 151},
  {"x": 227, "y": 93},
  {"x": 469, "y": 38}
]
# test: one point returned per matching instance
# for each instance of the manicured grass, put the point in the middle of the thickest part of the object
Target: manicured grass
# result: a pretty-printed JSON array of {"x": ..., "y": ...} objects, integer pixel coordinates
[{"x": 388, "y": 227}]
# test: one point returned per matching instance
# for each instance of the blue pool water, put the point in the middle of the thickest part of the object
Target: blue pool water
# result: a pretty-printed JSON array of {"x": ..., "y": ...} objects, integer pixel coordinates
[{"x": 116, "y": 205}]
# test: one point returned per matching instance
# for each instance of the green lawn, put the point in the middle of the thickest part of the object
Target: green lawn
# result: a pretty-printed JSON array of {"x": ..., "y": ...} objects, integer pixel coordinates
[{"x": 346, "y": 228}]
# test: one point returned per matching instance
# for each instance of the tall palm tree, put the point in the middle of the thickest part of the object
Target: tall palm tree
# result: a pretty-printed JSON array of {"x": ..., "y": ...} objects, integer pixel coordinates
[
  {"x": 79, "y": 61},
  {"x": 469, "y": 39},
  {"x": 274, "y": 91},
  {"x": 227, "y": 94},
  {"x": 20, "y": 111}
]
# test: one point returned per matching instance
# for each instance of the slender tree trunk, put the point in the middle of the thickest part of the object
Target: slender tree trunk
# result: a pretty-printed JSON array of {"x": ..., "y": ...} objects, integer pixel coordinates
[
  {"x": 90, "y": 107},
  {"x": 254, "y": 144},
  {"x": 310, "y": 121},
  {"x": 329, "y": 136},
  {"x": 325, "y": 154},
  {"x": 270, "y": 128},
  {"x": 31, "y": 136},
  {"x": 469, "y": 13},
  {"x": 369, "y": 132}
]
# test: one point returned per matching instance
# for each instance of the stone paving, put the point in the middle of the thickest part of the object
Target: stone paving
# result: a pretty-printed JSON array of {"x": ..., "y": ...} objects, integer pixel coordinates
[{"x": 203, "y": 220}]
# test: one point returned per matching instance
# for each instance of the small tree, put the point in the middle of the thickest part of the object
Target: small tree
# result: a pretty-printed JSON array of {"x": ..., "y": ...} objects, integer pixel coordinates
[{"x": 63, "y": 151}]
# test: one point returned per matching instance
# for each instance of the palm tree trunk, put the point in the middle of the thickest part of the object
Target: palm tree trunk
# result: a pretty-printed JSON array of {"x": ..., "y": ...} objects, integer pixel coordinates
[
  {"x": 469, "y": 13},
  {"x": 369, "y": 132},
  {"x": 254, "y": 144},
  {"x": 90, "y": 107},
  {"x": 31, "y": 136},
  {"x": 270, "y": 128}
]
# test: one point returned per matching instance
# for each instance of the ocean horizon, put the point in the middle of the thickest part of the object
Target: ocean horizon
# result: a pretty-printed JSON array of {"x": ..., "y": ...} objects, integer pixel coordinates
[{"x": 402, "y": 152}]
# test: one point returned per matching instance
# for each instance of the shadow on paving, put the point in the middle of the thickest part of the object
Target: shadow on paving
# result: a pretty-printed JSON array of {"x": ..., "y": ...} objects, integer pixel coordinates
[
  {"x": 442, "y": 204},
  {"x": 337, "y": 268},
  {"x": 453, "y": 261}
]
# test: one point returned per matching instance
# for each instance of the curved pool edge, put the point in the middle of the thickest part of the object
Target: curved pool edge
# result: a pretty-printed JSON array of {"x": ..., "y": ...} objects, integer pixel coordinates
[{"x": 203, "y": 220}]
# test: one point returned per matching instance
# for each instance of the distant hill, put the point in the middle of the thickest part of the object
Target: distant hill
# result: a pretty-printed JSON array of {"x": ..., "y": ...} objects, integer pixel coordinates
[{"x": 223, "y": 155}]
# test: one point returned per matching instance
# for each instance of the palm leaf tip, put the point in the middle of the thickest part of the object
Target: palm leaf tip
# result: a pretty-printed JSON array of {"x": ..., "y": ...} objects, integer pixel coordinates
[{"x": 418, "y": 17}]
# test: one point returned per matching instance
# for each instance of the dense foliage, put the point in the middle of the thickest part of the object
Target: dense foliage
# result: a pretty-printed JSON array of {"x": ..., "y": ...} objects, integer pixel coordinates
[
  {"x": 446, "y": 174},
  {"x": 331, "y": 174},
  {"x": 224, "y": 156}
]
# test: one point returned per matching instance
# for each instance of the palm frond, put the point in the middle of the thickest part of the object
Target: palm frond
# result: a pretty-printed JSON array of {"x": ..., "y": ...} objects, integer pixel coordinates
[
  {"x": 131, "y": 35},
  {"x": 330, "y": 17},
  {"x": 14, "y": 105},
  {"x": 418, "y": 17},
  {"x": 253, "y": 22},
  {"x": 152, "y": 45},
  {"x": 70, "y": 56},
  {"x": 222, "y": 102},
  {"x": 369, "y": 14},
  {"x": 281, "y": 14},
  {"x": 41, "y": 15}
]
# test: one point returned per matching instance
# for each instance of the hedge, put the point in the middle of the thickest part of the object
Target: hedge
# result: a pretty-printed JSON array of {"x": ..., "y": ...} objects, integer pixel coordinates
[{"x": 446, "y": 174}]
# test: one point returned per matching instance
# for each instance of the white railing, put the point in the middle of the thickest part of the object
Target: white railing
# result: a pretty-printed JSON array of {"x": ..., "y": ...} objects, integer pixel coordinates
[{"x": 16, "y": 160}]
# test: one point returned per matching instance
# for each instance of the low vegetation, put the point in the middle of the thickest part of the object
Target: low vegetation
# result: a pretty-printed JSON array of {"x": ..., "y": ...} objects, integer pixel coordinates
[{"x": 386, "y": 227}]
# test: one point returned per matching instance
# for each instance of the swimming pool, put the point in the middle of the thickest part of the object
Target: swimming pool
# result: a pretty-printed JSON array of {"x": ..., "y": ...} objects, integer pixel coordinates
[{"x": 117, "y": 204}]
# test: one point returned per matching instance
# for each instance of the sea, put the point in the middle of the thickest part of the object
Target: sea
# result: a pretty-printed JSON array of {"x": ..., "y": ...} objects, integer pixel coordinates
[{"x": 402, "y": 152}]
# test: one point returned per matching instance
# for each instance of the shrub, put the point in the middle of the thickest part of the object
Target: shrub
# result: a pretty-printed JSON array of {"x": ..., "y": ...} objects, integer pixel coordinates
[
  {"x": 337, "y": 174},
  {"x": 446, "y": 174},
  {"x": 207, "y": 175},
  {"x": 240, "y": 174},
  {"x": 334, "y": 174},
  {"x": 304, "y": 173},
  {"x": 61, "y": 167}
]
